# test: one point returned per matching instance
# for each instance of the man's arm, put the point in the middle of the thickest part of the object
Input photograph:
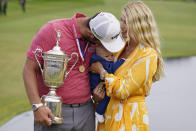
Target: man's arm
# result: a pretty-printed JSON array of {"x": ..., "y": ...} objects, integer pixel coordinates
[{"x": 30, "y": 81}]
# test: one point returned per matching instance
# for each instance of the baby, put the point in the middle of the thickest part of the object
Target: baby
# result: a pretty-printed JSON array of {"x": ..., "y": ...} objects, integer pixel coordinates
[{"x": 107, "y": 60}]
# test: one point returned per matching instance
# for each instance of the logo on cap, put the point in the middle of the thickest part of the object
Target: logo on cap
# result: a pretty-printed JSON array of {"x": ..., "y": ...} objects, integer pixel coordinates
[
  {"x": 116, "y": 36},
  {"x": 99, "y": 37}
]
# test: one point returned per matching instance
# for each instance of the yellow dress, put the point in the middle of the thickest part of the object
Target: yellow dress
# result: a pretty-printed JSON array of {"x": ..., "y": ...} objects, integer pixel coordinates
[{"x": 127, "y": 89}]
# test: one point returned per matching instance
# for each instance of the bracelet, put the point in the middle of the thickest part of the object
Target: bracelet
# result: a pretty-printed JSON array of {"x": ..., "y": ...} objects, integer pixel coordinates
[
  {"x": 93, "y": 100},
  {"x": 102, "y": 74}
]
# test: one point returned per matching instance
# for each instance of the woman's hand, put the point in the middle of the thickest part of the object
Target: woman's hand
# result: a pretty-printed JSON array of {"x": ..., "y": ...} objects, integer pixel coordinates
[{"x": 96, "y": 67}]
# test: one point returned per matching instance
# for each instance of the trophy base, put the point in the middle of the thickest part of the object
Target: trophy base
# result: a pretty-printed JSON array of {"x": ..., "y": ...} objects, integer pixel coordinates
[{"x": 57, "y": 120}]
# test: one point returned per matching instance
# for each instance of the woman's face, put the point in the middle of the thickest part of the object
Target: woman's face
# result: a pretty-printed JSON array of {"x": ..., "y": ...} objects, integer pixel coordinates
[{"x": 123, "y": 26}]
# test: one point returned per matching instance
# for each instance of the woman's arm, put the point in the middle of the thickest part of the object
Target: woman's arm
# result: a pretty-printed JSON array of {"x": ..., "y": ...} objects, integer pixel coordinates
[{"x": 136, "y": 76}]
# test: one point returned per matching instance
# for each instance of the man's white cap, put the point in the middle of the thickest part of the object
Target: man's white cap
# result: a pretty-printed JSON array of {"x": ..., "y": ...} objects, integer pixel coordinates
[{"x": 106, "y": 28}]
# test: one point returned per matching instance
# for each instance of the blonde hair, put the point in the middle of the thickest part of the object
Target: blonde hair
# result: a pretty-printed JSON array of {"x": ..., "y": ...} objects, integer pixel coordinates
[{"x": 142, "y": 28}]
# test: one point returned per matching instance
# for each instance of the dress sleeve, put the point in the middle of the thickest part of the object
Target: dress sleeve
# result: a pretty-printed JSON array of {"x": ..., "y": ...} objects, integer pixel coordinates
[{"x": 135, "y": 76}]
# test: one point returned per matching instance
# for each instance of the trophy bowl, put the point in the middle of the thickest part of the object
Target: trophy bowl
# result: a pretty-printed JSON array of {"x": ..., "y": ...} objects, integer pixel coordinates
[{"x": 54, "y": 69}]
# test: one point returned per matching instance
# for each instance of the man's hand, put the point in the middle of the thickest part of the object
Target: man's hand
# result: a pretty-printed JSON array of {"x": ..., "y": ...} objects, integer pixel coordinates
[
  {"x": 42, "y": 115},
  {"x": 98, "y": 93}
]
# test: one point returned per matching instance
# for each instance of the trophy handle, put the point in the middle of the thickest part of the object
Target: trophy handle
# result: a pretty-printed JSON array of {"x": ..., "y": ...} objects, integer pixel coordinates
[
  {"x": 35, "y": 54},
  {"x": 74, "y": 53}
]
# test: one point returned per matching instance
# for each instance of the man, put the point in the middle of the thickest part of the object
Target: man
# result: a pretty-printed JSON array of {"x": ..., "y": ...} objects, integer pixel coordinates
[
  {"x": 23, "y": 3},
  {"x": 3, "y": 7},
  {"x": 77, "y": 108}
]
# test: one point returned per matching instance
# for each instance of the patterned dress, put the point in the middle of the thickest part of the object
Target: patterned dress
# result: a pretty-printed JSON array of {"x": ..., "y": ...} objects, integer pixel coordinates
[{"x": 128, "y": 88}]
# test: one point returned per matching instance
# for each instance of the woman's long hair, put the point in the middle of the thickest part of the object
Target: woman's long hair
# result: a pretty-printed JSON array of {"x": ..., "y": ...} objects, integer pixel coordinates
[{"x": 142, "y": 28}]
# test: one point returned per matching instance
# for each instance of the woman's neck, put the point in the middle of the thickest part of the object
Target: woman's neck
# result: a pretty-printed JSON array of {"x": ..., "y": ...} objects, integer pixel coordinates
[{"x": 129, "y": 48}]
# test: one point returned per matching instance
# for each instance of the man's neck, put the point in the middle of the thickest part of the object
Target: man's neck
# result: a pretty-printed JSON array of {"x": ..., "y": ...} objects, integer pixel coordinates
[{"x": 82, "y": 25}]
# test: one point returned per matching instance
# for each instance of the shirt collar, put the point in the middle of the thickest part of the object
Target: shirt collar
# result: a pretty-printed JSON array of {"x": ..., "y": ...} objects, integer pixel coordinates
[{"x": 76, "y": 31}]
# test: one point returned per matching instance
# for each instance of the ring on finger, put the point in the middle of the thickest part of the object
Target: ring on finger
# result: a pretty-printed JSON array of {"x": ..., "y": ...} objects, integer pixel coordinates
[{"x": 99, "y": 90}]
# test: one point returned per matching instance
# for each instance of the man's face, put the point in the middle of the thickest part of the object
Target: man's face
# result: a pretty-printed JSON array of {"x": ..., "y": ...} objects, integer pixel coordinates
[
  {"x": 94, "y": 40},
  {"x": 91, "y": 38}
]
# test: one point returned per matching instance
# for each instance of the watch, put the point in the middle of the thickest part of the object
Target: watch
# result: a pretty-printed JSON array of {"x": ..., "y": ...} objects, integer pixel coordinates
[
  {"x": 36, "y": 106},
  {"x": 102, "y": 74}
]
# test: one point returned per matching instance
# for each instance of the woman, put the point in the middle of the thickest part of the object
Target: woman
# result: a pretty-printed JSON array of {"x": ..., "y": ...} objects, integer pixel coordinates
[{"x": 132, "y": 81}]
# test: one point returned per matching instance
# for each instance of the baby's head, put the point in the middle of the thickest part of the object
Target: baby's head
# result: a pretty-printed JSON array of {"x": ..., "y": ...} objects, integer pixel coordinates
[{"x": 105, "y": 54}]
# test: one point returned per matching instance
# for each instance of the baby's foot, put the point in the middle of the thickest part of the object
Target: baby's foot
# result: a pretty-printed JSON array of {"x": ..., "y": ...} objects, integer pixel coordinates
[{"x": 99, "y": 117}]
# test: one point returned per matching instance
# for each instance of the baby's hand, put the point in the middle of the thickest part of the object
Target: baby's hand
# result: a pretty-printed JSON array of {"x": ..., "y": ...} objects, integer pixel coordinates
[
  {"x": 98, "y": 93},
  {"x": 96, "y": 67}
]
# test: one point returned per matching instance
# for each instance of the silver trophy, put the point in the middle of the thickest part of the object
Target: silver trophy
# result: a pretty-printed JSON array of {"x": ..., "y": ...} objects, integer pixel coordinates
[{"x": 54, "y": 73}]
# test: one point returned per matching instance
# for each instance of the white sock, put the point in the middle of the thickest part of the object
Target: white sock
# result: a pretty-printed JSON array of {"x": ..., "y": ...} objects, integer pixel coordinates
[{"x": 99, "y": 117}]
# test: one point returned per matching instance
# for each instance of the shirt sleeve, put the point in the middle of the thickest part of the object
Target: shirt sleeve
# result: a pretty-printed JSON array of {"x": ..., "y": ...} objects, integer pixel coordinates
[
  {"x": 107, "y": 65},
  {"x": 94, "y": 81},
  {"x": 116, "y": 65},
  {"x": 44, "y": 40},
  {"x": 137, "y": 75}
]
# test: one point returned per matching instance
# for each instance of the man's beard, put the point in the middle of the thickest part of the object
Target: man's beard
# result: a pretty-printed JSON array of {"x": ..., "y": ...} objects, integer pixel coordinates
[{"x": 91, "y": 41}]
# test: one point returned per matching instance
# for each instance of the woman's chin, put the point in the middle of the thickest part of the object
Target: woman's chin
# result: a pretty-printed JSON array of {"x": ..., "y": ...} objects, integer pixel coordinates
[{"x": 124, "y": 37}]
